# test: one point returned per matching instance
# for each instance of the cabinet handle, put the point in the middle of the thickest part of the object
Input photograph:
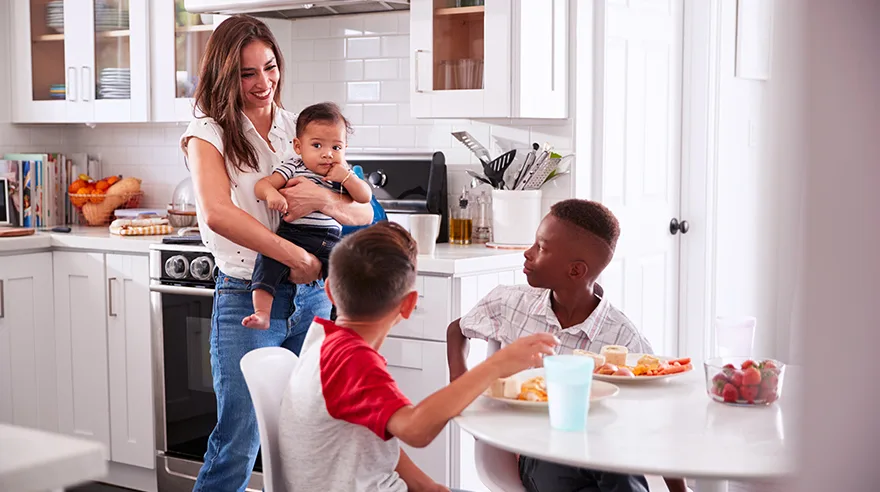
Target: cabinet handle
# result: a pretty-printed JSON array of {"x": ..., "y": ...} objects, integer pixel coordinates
[
  {"x": 71, "y": 81},
  {"x": 416, "y": 75},
  {"x": 110, "y": 296},
  {"x": 85, "y": 83},
  {"x": 2, "y": 302}
]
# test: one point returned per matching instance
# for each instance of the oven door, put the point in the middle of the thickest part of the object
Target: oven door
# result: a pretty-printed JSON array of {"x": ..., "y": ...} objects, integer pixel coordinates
[{"x": 185, "y": 404}]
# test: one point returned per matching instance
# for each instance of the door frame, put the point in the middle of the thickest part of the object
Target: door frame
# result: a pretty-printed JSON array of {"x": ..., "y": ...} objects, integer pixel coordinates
[{"x": 700, "y": 65}]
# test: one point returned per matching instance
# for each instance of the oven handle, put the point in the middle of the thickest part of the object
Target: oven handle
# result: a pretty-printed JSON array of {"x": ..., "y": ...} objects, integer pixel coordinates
[{"x": 174, "y": 289}]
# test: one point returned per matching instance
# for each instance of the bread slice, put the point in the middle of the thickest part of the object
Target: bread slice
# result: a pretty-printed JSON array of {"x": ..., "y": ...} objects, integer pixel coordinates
[
  {"x": 505, "y": 388},
  {"x": 598, "y": 359},
  {"x": 615, "y": 354}
]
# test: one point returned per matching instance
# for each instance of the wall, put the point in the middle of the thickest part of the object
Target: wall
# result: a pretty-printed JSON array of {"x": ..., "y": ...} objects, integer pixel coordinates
[{"x": 360, "y": 62}]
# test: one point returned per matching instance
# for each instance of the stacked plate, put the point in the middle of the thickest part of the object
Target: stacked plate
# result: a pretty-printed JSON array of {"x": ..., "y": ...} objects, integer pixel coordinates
[
  {"x": 55, "y": 15},
  {"x": 110, "y": 16},
  {"x": 114, "y": 83},
  {"x": 57, "y": 91}
]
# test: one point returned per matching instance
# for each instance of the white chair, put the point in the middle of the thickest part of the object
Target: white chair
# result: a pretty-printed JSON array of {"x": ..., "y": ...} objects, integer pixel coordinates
[
  {"x": 266, "y": 372},
  {"x": 499, "y": 470}
]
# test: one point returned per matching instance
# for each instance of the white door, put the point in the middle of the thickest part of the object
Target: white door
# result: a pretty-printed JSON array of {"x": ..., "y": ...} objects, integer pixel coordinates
[
  {"x": 28, "y": 395},
  {"x": 129, "y": 361},
  {"x": 418, "y": 367},
  {"x": 641, "y": 166},
  {"x": 81, "y": 343}
]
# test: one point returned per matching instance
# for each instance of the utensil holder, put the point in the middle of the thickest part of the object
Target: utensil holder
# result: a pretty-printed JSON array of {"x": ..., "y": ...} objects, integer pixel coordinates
[{"x": 516, "y": 215}]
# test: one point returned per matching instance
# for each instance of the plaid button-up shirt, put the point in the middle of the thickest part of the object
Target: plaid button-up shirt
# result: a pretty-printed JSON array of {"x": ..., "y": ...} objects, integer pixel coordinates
[{"x": 510, "y": 312}]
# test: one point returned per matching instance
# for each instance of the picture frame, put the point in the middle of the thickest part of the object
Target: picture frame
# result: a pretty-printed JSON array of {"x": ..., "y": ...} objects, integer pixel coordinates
[{"x": 6, "y": 209}]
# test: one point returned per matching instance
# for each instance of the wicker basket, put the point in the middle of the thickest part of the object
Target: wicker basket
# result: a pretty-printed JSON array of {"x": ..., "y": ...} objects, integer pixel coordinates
[{"x": 97, "y": 210}]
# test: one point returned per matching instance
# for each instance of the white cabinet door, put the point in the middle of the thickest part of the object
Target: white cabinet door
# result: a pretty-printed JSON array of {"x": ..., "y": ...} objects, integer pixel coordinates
[
  {"x": 81, "y": 342},
  {"x": 129, "y": 361},
  {"x": 419, "y": 368},
  {"x": 178, "y": 44},
  {"x": 28, "y": 394}
]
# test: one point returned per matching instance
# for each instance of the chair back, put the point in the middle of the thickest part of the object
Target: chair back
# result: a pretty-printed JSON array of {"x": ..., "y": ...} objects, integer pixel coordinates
[{"x": 267, "y": 371}]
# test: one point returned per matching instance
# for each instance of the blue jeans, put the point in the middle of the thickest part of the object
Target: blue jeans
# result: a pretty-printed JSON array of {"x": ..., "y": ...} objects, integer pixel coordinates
[
  {"x": 235, "y": 440},
  {"x": 270, "y": 273}
]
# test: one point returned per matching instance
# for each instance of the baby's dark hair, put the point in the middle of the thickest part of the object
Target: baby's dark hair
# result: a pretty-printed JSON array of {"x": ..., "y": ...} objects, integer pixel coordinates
[
  {"x": 325, "y": 112},
  {"x": 589, "y": 216}
]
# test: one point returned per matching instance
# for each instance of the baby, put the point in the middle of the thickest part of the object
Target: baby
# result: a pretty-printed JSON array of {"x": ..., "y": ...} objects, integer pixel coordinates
[{"x": 321, "y": 136}]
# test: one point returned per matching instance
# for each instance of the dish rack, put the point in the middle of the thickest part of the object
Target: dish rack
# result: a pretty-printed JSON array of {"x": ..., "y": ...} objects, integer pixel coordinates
[{"x": 97, "y": 209}]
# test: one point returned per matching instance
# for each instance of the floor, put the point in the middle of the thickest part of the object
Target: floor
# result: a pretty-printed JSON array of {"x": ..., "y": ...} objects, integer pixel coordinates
[{"x": 97, "y": 487}]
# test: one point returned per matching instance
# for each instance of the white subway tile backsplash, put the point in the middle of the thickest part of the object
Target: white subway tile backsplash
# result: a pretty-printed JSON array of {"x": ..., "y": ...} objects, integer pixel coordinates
[
  {"x": 300, "y": 50},
  {"x": 173, "y": 134},
  {"x": 303, "y": 95},
  {"x": 311, "y": 28},
  {"x": 354, "y": 113},
  {"x": 434, "y": 136},
  {"x": 363, "y": 48},
  {"x": 122, "y": 136},
  {"x": 151, "y": 137},
  {"x": 403, "y": 23},
  {"x": 381, "y": 69},
  {"x": 397, "y": 136},
  {"x": 404, "y": 69},
  {"x": 395, "y": 46},
  {"x": 365, "y": 136},
  {"x": 363, "y": 91},
  {"x": 380, "y": 24},
  {"x": 313, "y": 71},
  {"x": 395, "y": 91},
  {"x": 347, "y": 70},
  {"x": 329, "y": 49},
  {"x": 559, "y": 137},
  {"x": 347, "y": 26},
  {"x": 329, "y": 91},
  {"x": 380, "y": 114}
]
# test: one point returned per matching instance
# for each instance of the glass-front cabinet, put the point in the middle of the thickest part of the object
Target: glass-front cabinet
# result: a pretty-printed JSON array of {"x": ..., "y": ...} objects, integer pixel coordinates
[
  {"x": 179, "y": 39},
  {"x": 80, "y": 61},
  {"x": 489, "y": 58}
]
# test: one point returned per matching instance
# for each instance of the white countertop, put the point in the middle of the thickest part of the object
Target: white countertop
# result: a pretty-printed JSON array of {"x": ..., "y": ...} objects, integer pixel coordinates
[
  {"x": 448, "y": 259},
  {"x": 34, "y": 460},
  {"x": 669, "y": 428}
]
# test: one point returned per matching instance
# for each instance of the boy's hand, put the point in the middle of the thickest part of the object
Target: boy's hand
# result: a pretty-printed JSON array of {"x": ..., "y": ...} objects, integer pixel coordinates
[
  {"x": 277, "y": 202},
  {"x": 523, "y": 354},
  {"x": 338, "y": 172}
]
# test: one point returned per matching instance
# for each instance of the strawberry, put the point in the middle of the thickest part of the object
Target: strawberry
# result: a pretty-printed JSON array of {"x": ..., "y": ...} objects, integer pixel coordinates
[
  {"x": 749, "y": 393},
  {"x": 767, "y": 395},
  {"x": 730, "y": 393},
  {"x": 749, "y": 363},
  {"x": 736, "y": 378},
  {"x": 751, "y": 376},
  {"x": 770, "y": 381},
  {"x": 718, "y": 383},
  {"x": 729, "y": 366},
  {"x": 769, "y": 366}
]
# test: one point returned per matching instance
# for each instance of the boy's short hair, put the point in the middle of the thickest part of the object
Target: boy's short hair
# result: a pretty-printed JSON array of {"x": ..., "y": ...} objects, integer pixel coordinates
[
  {"x": 592, "y": 217},
  {"x": 372, "y": 270},
  {"x": 325, "y": 112}
]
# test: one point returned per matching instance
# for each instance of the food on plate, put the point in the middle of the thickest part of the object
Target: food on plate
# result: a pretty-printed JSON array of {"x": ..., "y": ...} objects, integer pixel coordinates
[
  {"x": 606, "y": 369},
  {"x": 534, "y": 389},
  {"x": 615, "y": 354},
  {"x": 598, "y": 359},
  {"x": 505, "y": 388},
  {"x": 624, "y": 371},
  {"x": 753, "y": 383}
]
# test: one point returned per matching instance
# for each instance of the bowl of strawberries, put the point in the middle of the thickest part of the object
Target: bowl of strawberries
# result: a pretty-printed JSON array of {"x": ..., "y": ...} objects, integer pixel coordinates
[{"x": 744, "y": 381}]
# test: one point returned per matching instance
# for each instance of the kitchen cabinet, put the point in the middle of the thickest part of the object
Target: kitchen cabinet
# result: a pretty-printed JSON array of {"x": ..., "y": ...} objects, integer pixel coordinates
[
  {"x": 28, "y": 395},
  {"x": 80, "y": 61},
  {"x": 178, "y": 44},
  {"x": 102, "y": 329},
  {"x": 502, "y": 59}
]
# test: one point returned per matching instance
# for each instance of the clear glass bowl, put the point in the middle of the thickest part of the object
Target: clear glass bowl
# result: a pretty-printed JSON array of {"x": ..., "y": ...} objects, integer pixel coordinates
[
  {"x": 726, "y": 381},
  {"x": 184, "y": 198}
]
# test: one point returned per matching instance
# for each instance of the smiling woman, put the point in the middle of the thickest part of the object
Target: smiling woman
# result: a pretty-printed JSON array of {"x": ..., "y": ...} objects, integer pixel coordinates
[{"x": 239, "y": 135}]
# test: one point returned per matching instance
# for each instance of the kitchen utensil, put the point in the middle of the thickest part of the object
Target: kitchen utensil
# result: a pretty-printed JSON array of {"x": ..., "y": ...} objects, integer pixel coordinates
[
  {"x": 541, "y": 173},
  {"x": 495, "y": 170},
  {"x": 479, "y": 177},
  {"x": 527, "y": 163},
  {"x": 476, "y": 147},
  {"x": 539, "y": 161},
  {"x": 553, "y": 176}
]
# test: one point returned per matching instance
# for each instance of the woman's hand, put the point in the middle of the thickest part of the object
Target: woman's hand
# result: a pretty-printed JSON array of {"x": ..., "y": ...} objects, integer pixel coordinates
[
  {"x": 304, "y": 197},
  {"x": 307, "y": 272}
]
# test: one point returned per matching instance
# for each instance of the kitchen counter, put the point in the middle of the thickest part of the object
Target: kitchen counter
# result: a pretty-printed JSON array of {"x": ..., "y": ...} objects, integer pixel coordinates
[{"x": 447, "y": 260}]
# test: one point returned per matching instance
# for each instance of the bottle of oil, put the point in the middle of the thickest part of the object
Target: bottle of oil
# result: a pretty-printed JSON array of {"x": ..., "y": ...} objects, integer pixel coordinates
[{"x": 460, "y": 221}]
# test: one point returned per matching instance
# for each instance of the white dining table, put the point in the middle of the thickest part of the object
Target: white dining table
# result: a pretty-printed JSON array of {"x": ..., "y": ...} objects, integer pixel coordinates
[
  {"x": 35, "y": 460},
  {"x": 669, "y": 427}
]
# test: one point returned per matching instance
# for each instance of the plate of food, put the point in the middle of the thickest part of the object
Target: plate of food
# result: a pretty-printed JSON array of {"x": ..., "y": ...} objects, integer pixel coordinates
[
  {"x": 616, "y": 365},
  {"x": 528, "y": 389}
]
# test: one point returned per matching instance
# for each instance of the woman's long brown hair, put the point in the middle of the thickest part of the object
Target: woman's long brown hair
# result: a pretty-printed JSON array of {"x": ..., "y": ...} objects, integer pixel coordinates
[{"x": 218, "y": 94}]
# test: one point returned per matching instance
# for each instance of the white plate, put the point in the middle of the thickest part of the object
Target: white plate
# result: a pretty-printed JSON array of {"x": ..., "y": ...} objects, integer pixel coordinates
[
  {"x": 599, "y": 390},
  {"x": 631, "y": 360}
]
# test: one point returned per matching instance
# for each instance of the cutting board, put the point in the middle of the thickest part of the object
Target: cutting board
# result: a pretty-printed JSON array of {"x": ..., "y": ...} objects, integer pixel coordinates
[{"x": 15, "y": 231}]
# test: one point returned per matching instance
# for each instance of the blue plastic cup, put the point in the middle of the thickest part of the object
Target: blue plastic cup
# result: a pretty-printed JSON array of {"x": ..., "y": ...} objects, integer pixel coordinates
[{"x": 569, "y": 379}]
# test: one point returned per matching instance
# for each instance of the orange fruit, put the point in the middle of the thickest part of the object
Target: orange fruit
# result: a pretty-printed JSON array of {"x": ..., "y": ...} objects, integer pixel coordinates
[
  {"x": 102, "y": 186},
  {"x": 97, "y": 196},
  {"x": 112, "y": 180},
  {"x": 80, "y": 199},
  {"x": 76, "y": 185}
]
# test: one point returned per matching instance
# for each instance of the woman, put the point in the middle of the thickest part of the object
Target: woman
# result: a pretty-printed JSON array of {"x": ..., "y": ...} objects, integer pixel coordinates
[{"x": 242, "y": 136}]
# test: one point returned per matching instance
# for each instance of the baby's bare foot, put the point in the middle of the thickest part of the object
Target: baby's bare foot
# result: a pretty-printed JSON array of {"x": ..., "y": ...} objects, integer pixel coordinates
[{"x": 258, "y": 321}]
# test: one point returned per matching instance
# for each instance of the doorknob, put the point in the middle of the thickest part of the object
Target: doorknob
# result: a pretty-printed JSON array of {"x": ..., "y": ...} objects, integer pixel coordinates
[{"x": 675, "y": 226}]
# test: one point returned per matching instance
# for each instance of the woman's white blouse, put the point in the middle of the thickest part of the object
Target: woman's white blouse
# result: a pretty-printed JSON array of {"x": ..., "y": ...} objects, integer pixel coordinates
[{"x": 232, "y": 259}]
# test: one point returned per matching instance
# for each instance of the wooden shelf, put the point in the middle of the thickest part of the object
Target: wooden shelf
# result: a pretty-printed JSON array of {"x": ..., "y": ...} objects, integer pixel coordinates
[
  {"x": 49, "y": 37},
  {"x": 479, "y": 9},
  {"x": 200, "y": 28},
  {"x": 122, "y": 33}
]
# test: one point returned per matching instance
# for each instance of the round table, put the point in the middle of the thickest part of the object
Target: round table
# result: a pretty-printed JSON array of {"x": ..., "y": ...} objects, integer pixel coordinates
[{"x": 668, "y": 427}]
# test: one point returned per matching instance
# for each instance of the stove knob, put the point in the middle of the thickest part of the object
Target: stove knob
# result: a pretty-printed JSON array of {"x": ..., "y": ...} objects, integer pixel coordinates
[
  {"x": 177, "y": 267},
  {"x": 202, "y": 268},
  {"x": 377, "y": 178}
]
